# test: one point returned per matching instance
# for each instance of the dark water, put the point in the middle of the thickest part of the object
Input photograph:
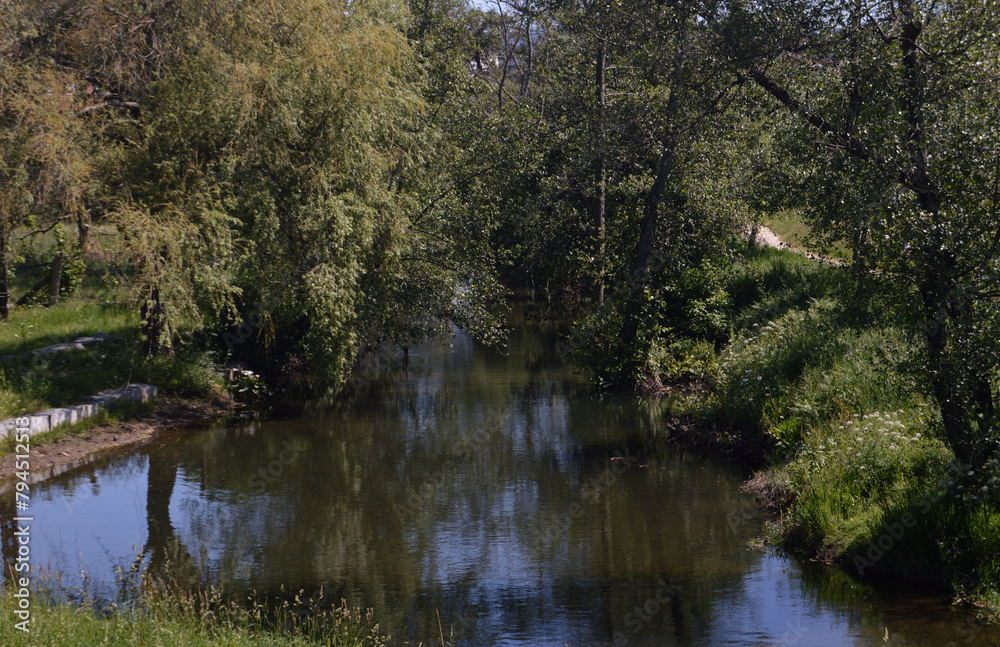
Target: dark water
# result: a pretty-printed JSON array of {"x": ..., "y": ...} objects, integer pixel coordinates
[{"x": 495, "y": 489}]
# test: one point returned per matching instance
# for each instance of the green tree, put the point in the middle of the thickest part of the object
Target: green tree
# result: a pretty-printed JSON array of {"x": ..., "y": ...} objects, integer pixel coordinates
[
  {"x": 898, "y": 101},
  {"x": 46, "y": 148}
]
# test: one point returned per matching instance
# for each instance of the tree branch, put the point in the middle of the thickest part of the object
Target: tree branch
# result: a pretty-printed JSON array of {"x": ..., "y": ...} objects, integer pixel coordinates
[
  {"x": 852, "y": 145},
  {"x": 46, "y": 230}
]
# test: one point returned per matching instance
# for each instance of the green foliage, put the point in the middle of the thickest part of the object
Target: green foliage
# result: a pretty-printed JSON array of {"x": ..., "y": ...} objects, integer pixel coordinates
[
  {"x": 596, "y": 345},
  {"x": 247, "y": 387},
  {"x": 685, "y": 361},
  {"x": 696, "y": 303}
]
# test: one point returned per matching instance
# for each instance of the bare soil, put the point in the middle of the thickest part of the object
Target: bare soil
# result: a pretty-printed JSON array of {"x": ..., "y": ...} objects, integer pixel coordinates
[
  {"x": 49, "y": 459},
  {"x": 767, "y": 238}
]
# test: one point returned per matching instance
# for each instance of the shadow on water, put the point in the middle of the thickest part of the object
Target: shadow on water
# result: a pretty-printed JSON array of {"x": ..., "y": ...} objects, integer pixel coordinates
[{"x": 493, "y": 487}]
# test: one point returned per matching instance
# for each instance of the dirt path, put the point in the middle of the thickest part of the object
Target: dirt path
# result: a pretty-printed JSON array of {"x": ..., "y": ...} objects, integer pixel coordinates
[
  {"x": 767, "y": 238},
  {"x": 55, "y": 457}
]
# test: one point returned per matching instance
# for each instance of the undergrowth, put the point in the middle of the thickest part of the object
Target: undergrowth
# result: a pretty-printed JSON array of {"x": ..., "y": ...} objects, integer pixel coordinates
[{"x": 850, "y": 430}]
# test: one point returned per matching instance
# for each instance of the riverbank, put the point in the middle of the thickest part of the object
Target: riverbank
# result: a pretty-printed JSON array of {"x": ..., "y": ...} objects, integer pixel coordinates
[
  {"x": 167, "y": 617},
  {"x": 73, "y": 445},
  {"x": 824, "y": 402},
  {"x": 62, "y": 355}
]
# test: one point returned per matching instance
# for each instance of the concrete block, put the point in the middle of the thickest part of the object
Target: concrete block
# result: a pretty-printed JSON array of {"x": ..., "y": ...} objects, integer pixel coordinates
[
  {"x": 7, "y": 427},
  {"x": 102, "y": 400},
  {"x": 84, "y": 410},
  {"x": 141, "y": 392},
  {"x": 49, "y": 419},
  {"x": 38, "y": 423},
  {"x": 61, "y": 416}
]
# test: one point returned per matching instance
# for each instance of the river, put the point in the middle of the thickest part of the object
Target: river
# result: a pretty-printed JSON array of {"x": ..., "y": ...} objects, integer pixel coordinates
[{"x": 493, "y": 488}]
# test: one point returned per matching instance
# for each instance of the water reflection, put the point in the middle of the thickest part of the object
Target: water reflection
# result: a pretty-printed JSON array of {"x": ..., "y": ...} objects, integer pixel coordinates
[{"x": 494, "y": 488}]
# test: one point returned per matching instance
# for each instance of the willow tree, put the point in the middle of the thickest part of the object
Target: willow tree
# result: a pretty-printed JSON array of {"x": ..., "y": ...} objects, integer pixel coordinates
[
  {"x": 258, "y": 158},
  {"x": 46, "y": 165},
  {"x": 327, "y": 158}
]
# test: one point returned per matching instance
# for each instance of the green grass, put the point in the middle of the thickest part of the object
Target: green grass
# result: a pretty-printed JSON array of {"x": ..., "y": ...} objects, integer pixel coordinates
[
  {"x": 31, "y": 327},
  {"x": 847, "y": 428},
  {"x": 790, "y": 227},
  {"x": 32, "y": 382},
  {"x": 165, "y": 617}
]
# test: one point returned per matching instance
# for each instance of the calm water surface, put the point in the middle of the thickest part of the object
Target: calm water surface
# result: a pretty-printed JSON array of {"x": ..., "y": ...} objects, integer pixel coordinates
[{"x": 494, "y": 488}]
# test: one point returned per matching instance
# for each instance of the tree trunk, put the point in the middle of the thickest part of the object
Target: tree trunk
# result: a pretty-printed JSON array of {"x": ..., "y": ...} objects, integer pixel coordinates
[
  {"x": 155, "y": 327},
  {"x": 529, "y": 59},
  {"x": 83, "y": 230},
  {"x": 601, "y": 174},
  {"x": 647, "y": 234},
  {"x": 963, "y": 394},
  {"x": 56, "y": 278},
  {"x": 4, "y": 282}
]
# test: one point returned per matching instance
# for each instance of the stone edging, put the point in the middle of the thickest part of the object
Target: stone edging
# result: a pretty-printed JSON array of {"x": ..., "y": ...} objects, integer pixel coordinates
[{"x": 43, "y": 421}]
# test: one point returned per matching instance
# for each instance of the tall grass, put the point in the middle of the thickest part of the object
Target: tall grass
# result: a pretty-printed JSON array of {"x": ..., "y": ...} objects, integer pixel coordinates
[{"x": 165, "y": 616}]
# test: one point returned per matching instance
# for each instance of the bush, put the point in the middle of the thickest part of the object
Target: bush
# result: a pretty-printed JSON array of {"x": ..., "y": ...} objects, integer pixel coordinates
[{"x": 684, "y": 361}]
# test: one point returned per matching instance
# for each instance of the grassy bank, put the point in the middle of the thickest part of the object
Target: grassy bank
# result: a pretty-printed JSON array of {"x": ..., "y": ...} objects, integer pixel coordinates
[
  {"x": 826, "y": 403},
  {"x": 34, "y": 381},
  {"x": 167, "y": 618}
]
